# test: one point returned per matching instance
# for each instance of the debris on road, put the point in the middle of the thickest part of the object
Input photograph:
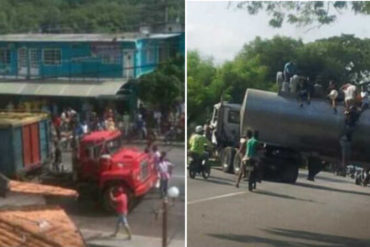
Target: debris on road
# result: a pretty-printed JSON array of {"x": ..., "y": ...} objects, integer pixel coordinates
[{"x": 39, "y": 226}]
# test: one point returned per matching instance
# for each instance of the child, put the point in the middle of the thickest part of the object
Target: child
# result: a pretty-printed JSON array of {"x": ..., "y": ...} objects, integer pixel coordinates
[
  {"x": 121, "y": 201},
  {"x": 165, "y": 171}
]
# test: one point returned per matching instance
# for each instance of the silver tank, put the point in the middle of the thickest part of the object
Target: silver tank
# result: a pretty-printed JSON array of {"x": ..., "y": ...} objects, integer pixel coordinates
[{"x": 314, "y": 128}]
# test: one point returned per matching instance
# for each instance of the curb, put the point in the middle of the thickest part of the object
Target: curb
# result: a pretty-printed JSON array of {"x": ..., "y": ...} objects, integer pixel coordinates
[{"x": 95, "y": 238}]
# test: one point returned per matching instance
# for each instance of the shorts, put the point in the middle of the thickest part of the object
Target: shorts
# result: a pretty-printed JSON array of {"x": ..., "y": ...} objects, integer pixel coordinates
[{"x": 122, "y": 218}]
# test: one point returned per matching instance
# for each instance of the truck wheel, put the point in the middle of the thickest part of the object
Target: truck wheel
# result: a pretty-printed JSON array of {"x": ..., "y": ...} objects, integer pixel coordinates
[
  {"x": 109, "y": 205},
  {"x": 237, "y": 163},
  {"x": 227, "y": 159},
  {"x": 290, "y": 174}
]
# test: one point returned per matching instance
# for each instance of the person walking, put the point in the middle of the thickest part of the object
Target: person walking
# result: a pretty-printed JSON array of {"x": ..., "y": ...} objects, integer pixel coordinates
[
  {"x": 165, "y": 171},
  {"x": 120, "y": 198}
]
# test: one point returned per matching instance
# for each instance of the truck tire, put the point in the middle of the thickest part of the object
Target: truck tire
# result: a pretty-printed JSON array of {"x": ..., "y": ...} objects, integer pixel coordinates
[
  {"x": 227, "y": 158},
  {"x": 237, "y": 163},
  {"x": 290, "y": 174},
  {"x": 109, "y": 205}
]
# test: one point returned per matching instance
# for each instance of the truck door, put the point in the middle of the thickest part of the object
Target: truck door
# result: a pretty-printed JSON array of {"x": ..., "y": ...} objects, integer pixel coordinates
[{"x": 90, "y": 162}]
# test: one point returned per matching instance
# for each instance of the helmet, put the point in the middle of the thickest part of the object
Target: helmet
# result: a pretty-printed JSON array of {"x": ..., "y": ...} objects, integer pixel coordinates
[{"x": 199, "y": 129}]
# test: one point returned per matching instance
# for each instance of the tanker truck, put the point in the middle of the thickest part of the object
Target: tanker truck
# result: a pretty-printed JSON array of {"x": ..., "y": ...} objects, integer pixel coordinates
[{"x": 290, "y": 134}]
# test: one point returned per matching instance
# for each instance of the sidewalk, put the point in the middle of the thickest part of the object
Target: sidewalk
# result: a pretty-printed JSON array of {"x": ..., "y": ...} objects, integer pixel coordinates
[{"x": 100, "y": 239}]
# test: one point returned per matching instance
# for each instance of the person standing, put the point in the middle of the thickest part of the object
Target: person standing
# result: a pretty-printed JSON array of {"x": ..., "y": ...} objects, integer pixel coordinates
[
  {"x": 241, "y": 152},
  {"x": 333, "y": 95},
  {"x": 251, "y": 160},
  {"x": 289, "y": 71},
  {"x": 126, "y": 123},
  {"x": 157, "y": 115},
  {"x": 120, "y": 198}
]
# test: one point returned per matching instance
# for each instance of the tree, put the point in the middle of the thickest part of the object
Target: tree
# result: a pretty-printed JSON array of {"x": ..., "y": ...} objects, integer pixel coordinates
[
  {"x": 342, "y": 59},
  {"x": 163, "y": 87},
  {"x": 303, "y": 13},
  {"x": 201, "y": 95},
  {"x": 85, "y": 16}
]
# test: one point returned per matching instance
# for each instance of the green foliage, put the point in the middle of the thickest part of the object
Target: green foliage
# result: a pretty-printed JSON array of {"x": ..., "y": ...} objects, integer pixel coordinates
[
  {"x": 303, "y": 13},
  {"x": 82, "y": 16},
  {"x": 258, "y": 62},
  {"x": 163, "y": 87}
]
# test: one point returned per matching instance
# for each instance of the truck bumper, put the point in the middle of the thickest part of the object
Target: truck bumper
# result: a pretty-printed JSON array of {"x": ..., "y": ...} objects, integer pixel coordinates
[{"x": 144, "y": 187}]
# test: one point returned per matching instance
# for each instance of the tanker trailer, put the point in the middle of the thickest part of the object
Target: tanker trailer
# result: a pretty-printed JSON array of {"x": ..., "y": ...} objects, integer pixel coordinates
[{"x": 290, "y": 132}]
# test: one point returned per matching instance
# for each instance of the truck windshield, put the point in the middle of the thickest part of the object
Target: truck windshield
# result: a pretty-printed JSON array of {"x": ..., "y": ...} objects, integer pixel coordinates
[
  {"x": 113, "y": 145},
  {"x": 234, "y": 117}
]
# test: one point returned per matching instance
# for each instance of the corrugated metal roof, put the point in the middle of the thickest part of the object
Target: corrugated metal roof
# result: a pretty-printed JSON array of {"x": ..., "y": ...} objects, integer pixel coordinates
[
  {"x": 61, "y": 88},
  {"x": 83, "y": 37},
  {"x": 17, "y": 118},
  {"x": 38, "y": 226},
  {"x": 40, "y": 189}
]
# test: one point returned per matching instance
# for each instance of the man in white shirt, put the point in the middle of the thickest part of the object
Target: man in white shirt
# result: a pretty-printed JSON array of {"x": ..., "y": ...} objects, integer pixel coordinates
[{"x": 349, "y": 91}]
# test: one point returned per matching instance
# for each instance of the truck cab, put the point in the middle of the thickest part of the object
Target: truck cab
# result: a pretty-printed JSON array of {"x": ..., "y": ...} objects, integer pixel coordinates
[
  {"x": 105, "y": 163},
  {"x": 225, "y": 126}
]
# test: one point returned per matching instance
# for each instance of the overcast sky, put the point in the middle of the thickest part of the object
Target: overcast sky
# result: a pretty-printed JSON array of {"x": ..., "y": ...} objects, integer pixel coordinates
[{"x": 220, "y": 32}]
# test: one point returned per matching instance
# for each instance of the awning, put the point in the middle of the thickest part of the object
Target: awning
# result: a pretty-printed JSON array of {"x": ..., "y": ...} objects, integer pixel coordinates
[{"x": 62, "y": 88}]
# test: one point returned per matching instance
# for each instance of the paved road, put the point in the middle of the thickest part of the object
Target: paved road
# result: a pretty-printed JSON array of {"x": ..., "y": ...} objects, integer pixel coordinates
[
  {"x": 332, "y": 211},
  {"x": 88, "y": 215}
]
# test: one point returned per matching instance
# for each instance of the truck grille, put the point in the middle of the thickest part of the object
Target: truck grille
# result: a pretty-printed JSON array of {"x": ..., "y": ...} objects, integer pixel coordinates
[{"x": 144, "y": 170}]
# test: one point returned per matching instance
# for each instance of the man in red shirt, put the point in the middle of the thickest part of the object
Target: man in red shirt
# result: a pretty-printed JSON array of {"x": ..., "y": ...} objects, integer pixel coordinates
[{"x": 121, "y": 201}]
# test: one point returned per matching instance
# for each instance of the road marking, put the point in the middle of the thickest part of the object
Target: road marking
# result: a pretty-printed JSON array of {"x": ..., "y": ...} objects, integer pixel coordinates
[{"x": 217, "y": 197}]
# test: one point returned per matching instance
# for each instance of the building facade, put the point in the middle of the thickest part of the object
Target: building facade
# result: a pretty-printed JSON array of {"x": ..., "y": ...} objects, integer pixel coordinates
[
  {"x": 80, "y": 67},
  {"x": 95, "y": 56}
]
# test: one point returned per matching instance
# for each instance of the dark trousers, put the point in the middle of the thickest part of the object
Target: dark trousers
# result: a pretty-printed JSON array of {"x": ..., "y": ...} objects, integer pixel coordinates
[{"x": 163, "y": 187}]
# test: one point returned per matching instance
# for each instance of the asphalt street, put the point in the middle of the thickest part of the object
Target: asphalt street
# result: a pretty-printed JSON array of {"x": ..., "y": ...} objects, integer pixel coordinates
[
  {"x": 88, "y": 215},
  {"x": 332, "y": 211}
]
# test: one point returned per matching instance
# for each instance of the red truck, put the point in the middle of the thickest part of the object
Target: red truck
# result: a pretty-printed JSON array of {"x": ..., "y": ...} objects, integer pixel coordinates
[{"x": 103, "y": 162}]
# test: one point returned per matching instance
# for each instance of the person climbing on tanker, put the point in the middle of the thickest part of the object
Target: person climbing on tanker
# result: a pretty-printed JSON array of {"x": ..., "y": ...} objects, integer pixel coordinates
[
  {"x": 305, "y": 91},
  {"x": 290, "y": 69},
  {"x": 197, "y": 144},
  {"x": 364, "y": 99},
  {"x": 349, "y": 91},
  {"x": 333, "y": 95}
]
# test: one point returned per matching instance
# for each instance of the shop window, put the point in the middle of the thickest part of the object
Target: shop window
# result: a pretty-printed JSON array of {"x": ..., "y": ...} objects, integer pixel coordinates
[
  {"x": 52, "y": 56},
  {"x": 150, "y": 55},
  {"x": 4, "y": 56},
  {"x": 110, "y": 58}
]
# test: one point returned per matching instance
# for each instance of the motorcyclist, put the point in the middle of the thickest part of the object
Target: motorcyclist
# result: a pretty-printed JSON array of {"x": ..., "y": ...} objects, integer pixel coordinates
[{"x": 198, "y": 143}]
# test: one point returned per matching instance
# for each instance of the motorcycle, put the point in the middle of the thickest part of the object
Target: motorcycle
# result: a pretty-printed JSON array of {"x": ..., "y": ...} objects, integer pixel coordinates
[{"x": 199, "y": 165}]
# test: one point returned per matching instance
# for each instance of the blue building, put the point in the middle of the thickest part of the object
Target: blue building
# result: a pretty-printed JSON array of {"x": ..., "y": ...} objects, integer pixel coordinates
[{"x": 81, "y": 65}]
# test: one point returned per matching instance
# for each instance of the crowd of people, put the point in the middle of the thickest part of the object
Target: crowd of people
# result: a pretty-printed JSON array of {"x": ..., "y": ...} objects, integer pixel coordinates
[{"x": 355, "y": 100}]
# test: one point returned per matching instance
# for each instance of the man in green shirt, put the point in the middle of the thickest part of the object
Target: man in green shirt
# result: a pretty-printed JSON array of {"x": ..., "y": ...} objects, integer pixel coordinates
[
  {"x": 250, "y": 160},
  {"x": 197, "y": 144}
]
